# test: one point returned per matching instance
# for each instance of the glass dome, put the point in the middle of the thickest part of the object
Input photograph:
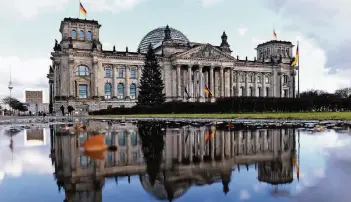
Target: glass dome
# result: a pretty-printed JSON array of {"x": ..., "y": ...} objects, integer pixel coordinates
[
  {"x": 159, "y": 191},
  {"x": 156, "y": 36}
]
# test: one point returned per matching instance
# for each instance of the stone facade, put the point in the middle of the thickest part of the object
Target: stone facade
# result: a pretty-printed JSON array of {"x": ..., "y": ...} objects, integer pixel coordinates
[{"x": 85, "y": 75}]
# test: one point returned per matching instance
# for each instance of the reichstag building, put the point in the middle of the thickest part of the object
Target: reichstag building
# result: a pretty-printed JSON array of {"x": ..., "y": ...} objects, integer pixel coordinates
[{"x": 84, "y": 75}]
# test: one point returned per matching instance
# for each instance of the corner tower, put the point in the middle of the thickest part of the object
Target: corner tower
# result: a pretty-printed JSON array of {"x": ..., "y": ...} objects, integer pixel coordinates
[
  {"x": 275, "y": 49},
  {"x": 80, "y": 34}
]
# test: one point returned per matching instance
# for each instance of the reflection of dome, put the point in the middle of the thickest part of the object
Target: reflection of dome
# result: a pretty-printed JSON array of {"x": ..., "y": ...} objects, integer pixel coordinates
[
  {"x": 156, "y": 36},
  {"x": 274, "y": 173},
  {"x": 159, "y": 189}
]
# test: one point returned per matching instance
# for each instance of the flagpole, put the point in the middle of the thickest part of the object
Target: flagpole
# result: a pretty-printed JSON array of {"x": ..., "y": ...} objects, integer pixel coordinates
[{"x": 298, "y": 76}]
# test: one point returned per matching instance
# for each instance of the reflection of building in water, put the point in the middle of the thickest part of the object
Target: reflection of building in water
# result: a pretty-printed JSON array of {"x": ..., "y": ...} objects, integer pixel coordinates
[
  {"x": 280, "y": 171},
  {"x": 34, "y": 137},
  {"x": 197, "y": 156}
]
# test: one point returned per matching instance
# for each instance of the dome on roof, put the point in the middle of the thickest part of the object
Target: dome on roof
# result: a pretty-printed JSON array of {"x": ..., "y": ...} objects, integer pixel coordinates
[
  {"x": 159, "y": 191},
  {"x": 156, "y": 36}
]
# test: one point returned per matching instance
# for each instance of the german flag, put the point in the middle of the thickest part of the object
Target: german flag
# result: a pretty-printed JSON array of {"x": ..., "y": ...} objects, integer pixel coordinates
[
  {"x": 82, "y": 10},
  {"x": 207, "y": 90},
  {"x": 293, "y": 64}
]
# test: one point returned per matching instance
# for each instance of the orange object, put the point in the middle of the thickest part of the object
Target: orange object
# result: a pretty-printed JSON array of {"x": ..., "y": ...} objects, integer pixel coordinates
[{"x": 95, "y": 143}]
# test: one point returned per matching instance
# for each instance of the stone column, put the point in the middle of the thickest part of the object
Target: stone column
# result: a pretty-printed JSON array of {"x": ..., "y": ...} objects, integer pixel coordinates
[
  {"x": 222, "y": 80},
  {"x": 255, "y": 84},
  {"x": 237, "y": 83},
  {"x": 190, "y": 89},
  {"x": 127, "y": 84},
  {"x": 231, "y": 91},
  {"x": 246, "y": 85},
  {"x": 212, "y": 79},
  {"x": 70, "y": 77},
  {"x": 201, "y": 88},
  {"x": 264, "y": 85},
  {"x": 139, "y": 78},
  {"x": 94, "y": 89},
  {"x": 178, "y": 82},
  {"x": 274, "y": 84},
  {"x": 114, "y": 85}
]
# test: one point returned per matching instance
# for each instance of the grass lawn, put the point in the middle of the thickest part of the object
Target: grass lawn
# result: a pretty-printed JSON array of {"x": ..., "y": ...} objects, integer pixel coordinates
[{"x": 291, "y": 116}]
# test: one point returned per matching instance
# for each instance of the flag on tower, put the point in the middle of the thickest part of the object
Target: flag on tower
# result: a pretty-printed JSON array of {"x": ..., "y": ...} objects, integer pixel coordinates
[
  {"x": 82, "y": 10},
  {"x": 275, "y": 34},
  {"x": 293, "y": 64}
]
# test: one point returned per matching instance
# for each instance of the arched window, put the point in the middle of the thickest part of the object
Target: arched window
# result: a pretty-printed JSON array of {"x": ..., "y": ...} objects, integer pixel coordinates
[
  {"x": 242, "y": 89},
  {"x": 74, "y": 34},
  {"x": 132, "y": 91},
  {"x": 82, "y": 70},
  {"x": 120, "y": 91},
  {"x": 252, "y": 78},
  {"x": 242, "y": 78},
  {"x": 108, "y": 90},
  {"x": 81, "y": 34},
  {"x": 90, "y": 35}
]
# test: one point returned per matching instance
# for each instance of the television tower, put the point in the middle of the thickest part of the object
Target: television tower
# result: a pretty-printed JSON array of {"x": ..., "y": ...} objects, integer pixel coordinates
[{"x": 10, "y": 88}]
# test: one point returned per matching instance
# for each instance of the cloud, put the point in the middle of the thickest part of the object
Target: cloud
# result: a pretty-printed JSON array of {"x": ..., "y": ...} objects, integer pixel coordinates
[
  {"x": 110, "y": 5},
  {"x": 208, "y": 3},
  {"x": 34, "y": 8},
  {"x": 327, "y": 25},
  {"x": 24, "y": 161},
  {"x": 244, "y": 195},
  {"x": 26, "y": 75},
  {"x": 242, "y": 31}
]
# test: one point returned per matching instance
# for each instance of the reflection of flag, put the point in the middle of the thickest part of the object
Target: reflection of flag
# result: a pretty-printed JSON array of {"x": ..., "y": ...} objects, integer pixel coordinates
[
  {"x": 82, "y": 10},
  {"x": 293, "y": 64},
  {"x": 296, "y": 166},
  {"x": 209, "y": 136},
  {"x": 207, "y": 90},
  {"x": 275, "y": 34},
  {"x": 186, "y": 91}
]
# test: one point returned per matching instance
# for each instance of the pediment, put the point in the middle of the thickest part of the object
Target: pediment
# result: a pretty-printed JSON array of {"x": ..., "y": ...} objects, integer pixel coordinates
[{"x": 206, "y": 51}]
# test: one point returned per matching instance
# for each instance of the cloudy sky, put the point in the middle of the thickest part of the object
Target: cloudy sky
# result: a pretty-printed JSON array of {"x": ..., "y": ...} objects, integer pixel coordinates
[{"x": 320, "y": 26}]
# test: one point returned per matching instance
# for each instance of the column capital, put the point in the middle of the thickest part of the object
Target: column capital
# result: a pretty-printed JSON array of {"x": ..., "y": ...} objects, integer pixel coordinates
[{"x": 212, "y": 67}]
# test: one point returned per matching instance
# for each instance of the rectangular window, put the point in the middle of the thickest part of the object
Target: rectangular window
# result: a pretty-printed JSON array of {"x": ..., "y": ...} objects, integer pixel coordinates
[
  {"x": 108, "y": 72},
  {"x": 132, "y": 74},
  {"x": 259, "y": 91},
  {"x": 83, "y": 91},
  {"x": 121, "y": 73},
  {"x": 285, "y": 93},
  {"x": 259, "y": 79}
]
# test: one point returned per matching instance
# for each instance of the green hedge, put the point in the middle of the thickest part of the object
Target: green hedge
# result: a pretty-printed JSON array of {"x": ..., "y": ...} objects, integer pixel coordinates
[{"x": 239, "y": 105}]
